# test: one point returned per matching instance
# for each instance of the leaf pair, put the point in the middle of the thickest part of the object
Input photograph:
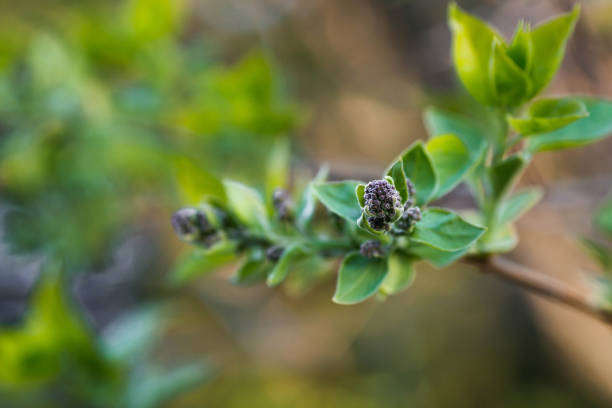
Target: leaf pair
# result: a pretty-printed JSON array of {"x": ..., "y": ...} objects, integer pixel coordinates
[{"x": 506, "y": 75}]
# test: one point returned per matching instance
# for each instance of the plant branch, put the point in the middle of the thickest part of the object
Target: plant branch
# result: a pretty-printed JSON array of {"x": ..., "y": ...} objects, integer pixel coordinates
[{"x": 543, "y": 285}]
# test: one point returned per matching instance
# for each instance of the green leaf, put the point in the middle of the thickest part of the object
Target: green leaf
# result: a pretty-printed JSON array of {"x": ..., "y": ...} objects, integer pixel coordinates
[
  {"x": 547, "y": 115},
  {"x": 445, "y": 230},
  {"x": 281, "y": 269},
  {"x": 195, "y": 184},
  {"x": 503, "y": 174},
  {"x": 451, "y": 160},
  {"x": 596, "y": 126},
  {"x": 253, "y": 270},
  {"x": 599, "y": 252},
  {"x": 518, "y": 204},
  {"x": 510, "y": 84},
  {"x": 199, "y": 262},
  {"x": 521, "y": 48},
  {"x": 307, "y": 203},
  {"x": 129, "y": 338},
  {"x": 401, "y": 273},
  {"x": 603, "y": 218},
  {"x": 360, "y": 192},
  {"x": 277, "y": 170},
  {"x": 246, "y": 204},
  {"x": 548, "y": 41},
  {"x": 396, "y": 172},
  {"x": 359, "y": 278},
  {"x": 439, "y": 122},
  {"x": 472, "y": 49},
  {"x": 504, "y": 239},
  {"x": 419, "y": 169},
  {"x": 436, "y": 256},
  {"x": 339, "y": 198}
]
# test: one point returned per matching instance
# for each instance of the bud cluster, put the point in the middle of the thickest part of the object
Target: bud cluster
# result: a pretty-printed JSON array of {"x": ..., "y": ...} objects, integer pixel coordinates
[
  {"x": 382, "y": 204},
  {"x": 372, "y": 249},
  {"x": 409, "y": 218},
  {"x": 192, "y": 225}
]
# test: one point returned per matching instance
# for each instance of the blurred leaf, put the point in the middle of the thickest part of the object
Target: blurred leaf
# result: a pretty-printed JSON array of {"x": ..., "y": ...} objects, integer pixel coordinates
[
  {"x": 439, "y": 122},
  {"x": 521, "y": 48},
  {"x": 601, "y": 253},
  {"x": 419, "y": 170},
  {"x": 603, "y": 218},
  {"x": 436, "y": 256},
  {"x": 518, "y": 204},
  {"x": 254, "y": 269},
  {"x": 510, "y": 84},
  {"x": 339, "y": 198},
  {"x": 596, "y": 126},
  {"x": 472, "y": 48},
  {"x": 307, "y": 204},
  {"x": 451, "y": 160},
  {"x": 196, "y": 184},
  {"x": 396, "y": 172},
  {"x": 154, "y": 19},
  {"x": 401, "y": 273},
  {"x": 548, "y": 41},
  {"x": 199, "y": 262},
  {"x": 277, "y": 169},
  {"x": 504, "y": 239},
  {"x": 130, "y": 338},
  {"x": 547, "y": 115},
  {"x": 504, "y": 173},
  {"x": 359, "y": 278},
  {"x": 283, "y": 266},
  {"x": 445, "y": 230},
  {"x": 247, "y": 205}
]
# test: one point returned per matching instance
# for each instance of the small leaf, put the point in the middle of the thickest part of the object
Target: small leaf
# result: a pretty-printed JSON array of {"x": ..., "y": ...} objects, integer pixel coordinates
[
  {"x": 360, "y": 192},
  {"x": 518, "y": 204},
  {"x": 307, "y": 203},
  {"x": 282, "y": 267},
  {"x": 396, "y": 172},
  {"x": 599, "y": 252},
  {"x": 130, "y": 337},
  {"x": 445, "y": 230},
  {"x": 510, "y": 84},
  {"x": 401, "y": 273},
  {"x": 339, "y": 198},
  {"x": 246, "y": 204},
  {"x": 548, "y": 41},
  {"x": 359, "y": 278},
  {"x": 253, "y": 270},
  {"x": 472, "y": 49},
  {"x": 199, "y": 262},
  {"x": 547, "y": 115},
  {"x": 439, "y": 122},
  {"x": 603, "y": 218},
  {"x": 504, "y": 239},
  {"x": 596, "y": 126},
  {"x": 436, "y": 256},
  {"x": 451, "y": 160},
  {"x": 419, "y": 169},
  {"x": 503, "y": 174},
  {"x": 521, "y": 48}
]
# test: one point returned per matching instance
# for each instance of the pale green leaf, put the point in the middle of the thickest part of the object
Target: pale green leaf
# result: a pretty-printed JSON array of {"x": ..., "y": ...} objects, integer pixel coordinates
[
  {"x": 339, "y": 198},
  {"x": 419, "y": 170},
  {"x": 445, "y": 230},
  {"x": 401, "y": 273},
  {"x": 547, "y": 115},
  {"x": 519, "y": 203},
  {"x": 246, "y": 204},
  {"x": 283, "y": 266},
  {"x": 359, "y": 278},
  {"x": 396, "y": 172}
]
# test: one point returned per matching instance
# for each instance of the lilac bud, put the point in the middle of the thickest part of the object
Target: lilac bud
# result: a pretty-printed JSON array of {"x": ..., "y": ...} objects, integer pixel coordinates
[
  {"x": 372, "y": 249},
  {"x": 191, "y": 225},
  {"x": 274, "y": 253},
  {"x": 382, "y": 204},
  {"x": 282, "y": 204}
]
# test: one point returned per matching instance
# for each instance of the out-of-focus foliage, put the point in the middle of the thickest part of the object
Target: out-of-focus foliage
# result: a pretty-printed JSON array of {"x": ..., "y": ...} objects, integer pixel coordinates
[
  {"x": 102, "y": 108},
  {"x": 53, "y": 357}
]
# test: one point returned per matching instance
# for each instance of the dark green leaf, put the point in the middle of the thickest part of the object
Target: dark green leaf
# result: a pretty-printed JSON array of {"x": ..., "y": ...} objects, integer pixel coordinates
[
  {"x": 472, "y": 48},
  {"x": 596, "y": 126},
  {"x": 517, "y": 204},
  {"x": 396, "y": 172},
  {"x": 445, "y": 230},
  {"x": 503, "y": 174},
  {"x": 548, "y": 42},
  {"x": 359, "y": 278},
  {"x": 339, "y": 198},
  {"x": 419, "y": 170},
  {"x": 401, "y": 273},
  {"x": 547, "y": 115},
  {"x": 283, "y": 266}
]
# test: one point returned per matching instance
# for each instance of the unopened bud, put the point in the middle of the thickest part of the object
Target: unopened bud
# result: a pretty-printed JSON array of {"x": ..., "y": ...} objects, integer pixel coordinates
[
  {"x": 282, "y": 204},
  {"x": 274, "y": 253},
  {"x": 191, "y": 225},
  {"x": 382, "y": 204},
  {"x": 409, "y": 218},
  {"x": 372, "y": 249}
]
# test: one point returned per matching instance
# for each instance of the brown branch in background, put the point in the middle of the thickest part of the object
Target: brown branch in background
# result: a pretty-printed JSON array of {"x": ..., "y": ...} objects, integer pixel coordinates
[{"x": 542, "y": 284}]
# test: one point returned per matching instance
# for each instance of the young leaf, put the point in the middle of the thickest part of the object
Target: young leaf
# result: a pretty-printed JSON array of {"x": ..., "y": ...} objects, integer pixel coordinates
[
  {"x": 419, "y": 169},
  {"x": 521, "y": 48},
  {"x": 503, "y": 239},
  {"x": 360, "y": 192},
  {"x": 451, "y": 160},
  {"x": 396, "y": 172},
  {"x": 439, "y": 122},
  {"x": 359, "y": 278},
  {"x": 401, "y": 273},
  {"x": 307, "y": 203},
  {"x": 503, "y": 174},
  {"x": 200, "y": 262},
  {"x": 600, "y": 252},
  {"x": 518, "y": 204},
  {"x": 445, "y": 230},
  {"x": 339, "y": 198},
  {"x": 246, "y": 205},
  {"x": 603, "y": 218},
  {"x": 546, "y": 115},
  {"x": 281, "y": 269},
  {"x": 253, "y": 270},
  {"x": 472, "y": 48},
  {"x": 548, "y": 41},
  {"x": 436, "y": 256},
  {"x": 510, "y": 84},
  {"x": 590, "y": 129}
]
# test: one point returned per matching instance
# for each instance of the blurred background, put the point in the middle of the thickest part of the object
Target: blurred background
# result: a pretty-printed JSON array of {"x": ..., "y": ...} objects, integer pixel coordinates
[{"x": 113, "y": 114}]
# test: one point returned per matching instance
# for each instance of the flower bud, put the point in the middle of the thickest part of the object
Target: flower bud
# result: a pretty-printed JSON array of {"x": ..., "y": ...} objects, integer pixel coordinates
[
  {"x": 409, "y": 218},
  {"x": 274, "y": 253},
  {"x": 191, "y": 225},
  {"x": 383, "y": 204},
  {"x": 371, "y": 249},
  {"x": 282, "y": 204}
]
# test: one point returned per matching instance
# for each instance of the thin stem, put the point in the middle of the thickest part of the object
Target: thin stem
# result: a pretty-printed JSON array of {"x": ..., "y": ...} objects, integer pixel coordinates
[{"x": 543, "y": 285}]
